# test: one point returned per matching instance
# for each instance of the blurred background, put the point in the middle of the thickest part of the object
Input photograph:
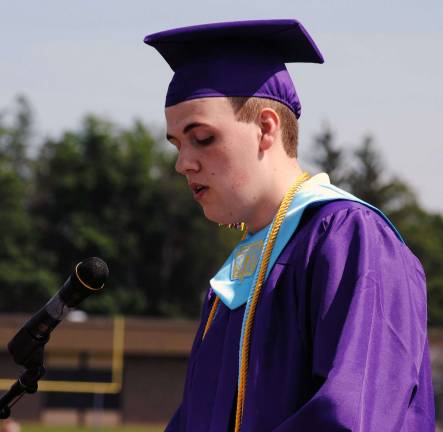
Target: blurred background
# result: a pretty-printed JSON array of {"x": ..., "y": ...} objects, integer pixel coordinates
[{"x": 85, "y": 171}]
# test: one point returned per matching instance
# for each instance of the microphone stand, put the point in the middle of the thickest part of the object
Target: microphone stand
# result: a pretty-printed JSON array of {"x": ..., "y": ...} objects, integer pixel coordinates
[
  {"x": 26, "y": 383},
  {"x": 27, "y": 346}
]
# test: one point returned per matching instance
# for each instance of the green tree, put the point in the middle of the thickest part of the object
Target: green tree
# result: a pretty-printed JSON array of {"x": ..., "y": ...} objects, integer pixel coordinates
[
  {"x": 369, "y": 180},
  {"x": 16, "y": 135},
  {"x": 24, "y": 279},
  {"x": 328, "y": 157}
]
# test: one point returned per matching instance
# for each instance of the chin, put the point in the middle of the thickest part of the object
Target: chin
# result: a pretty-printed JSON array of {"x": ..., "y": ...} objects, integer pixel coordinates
[{"x": 218, "y": 217}]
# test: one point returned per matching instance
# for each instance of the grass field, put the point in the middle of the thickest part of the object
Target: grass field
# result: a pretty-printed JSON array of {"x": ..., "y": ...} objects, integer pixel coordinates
[{"x": 37, "y": 428}]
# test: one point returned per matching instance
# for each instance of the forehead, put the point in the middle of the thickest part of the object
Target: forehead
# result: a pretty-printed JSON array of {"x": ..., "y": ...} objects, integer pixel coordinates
[{"x": 212, "y": 111}]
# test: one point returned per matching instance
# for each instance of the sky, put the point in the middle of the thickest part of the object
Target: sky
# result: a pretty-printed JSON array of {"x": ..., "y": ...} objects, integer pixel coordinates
[{"x": 383, "y": 70}]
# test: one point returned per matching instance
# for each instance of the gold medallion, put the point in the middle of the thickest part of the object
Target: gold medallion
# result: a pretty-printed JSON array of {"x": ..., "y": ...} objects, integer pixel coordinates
[{"x": 245, "y": 260}]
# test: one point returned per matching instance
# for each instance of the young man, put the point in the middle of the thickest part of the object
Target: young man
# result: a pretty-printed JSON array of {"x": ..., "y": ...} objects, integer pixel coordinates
[{"x": 317, "y": 320}]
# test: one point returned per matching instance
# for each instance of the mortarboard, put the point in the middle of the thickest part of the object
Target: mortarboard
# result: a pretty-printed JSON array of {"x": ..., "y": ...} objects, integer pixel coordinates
[{"x": 241, "y": 58}]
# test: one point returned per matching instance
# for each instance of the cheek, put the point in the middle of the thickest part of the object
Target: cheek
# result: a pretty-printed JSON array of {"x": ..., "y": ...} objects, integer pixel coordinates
[
  {"x": 234, "y": 165},
  {"x": 240, "y": 180},
  {"x": 231, "y": 173}
]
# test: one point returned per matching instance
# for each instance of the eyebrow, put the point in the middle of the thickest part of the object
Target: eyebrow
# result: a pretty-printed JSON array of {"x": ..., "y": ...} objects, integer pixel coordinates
[{"x": 186, "y": 129}]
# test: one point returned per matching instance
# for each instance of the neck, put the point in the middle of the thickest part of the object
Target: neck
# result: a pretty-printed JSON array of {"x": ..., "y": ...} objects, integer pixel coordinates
[{"x": 264, "y": 213}]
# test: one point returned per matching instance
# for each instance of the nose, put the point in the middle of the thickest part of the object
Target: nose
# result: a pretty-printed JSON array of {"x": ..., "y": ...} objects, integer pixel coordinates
[{"x": 186, "y": 160}]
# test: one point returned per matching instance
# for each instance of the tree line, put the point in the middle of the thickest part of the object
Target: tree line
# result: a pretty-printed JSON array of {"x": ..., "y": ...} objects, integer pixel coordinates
[{"x": 107, "y": 191}]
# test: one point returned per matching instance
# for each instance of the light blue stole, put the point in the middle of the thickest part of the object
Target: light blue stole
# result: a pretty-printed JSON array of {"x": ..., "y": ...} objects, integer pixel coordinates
[{"x": 234, "y": 281}]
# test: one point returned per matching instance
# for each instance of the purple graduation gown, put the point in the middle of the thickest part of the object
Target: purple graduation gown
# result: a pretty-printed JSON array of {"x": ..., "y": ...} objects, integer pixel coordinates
[{"x": 339, "y": 341}]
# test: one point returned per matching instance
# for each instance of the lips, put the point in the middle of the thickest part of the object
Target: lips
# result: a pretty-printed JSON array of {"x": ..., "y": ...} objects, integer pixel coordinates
[{"x": 198, "y": 189}]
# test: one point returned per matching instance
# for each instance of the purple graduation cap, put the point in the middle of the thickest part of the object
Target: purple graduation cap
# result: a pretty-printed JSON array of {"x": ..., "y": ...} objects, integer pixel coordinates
[{"x": 241, "y": 58}]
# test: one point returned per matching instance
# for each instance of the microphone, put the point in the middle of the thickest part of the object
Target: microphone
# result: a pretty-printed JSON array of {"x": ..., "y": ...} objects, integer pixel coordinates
[{"x": 88, "y": 277}]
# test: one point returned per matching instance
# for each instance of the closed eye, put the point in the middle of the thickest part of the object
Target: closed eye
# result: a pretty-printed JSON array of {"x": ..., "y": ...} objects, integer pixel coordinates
[{"x": 205, "y": 141}]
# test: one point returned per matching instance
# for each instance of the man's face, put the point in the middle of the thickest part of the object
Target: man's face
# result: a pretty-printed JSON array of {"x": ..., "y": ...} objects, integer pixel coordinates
[{"x": 219, "y": 156}]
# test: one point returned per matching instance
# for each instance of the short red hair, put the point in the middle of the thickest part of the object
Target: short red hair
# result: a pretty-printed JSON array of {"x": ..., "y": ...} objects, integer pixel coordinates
[{"x": 248, "y": 108}]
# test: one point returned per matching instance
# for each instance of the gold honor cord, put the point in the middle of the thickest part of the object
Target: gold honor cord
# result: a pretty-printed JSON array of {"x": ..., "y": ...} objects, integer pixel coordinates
[
  {"x": 256, "y": 295},
  {"x": 211, "y": 316}
]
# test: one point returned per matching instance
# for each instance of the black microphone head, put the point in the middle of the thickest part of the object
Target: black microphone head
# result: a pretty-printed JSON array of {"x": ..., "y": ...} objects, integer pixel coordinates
[
  {"x": 89, "y": 276},
  {"x": 93, "y": 272}
]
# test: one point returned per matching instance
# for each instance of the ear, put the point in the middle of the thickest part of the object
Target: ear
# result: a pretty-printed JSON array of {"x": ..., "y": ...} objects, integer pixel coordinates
[{"x": 269, "y": 123}]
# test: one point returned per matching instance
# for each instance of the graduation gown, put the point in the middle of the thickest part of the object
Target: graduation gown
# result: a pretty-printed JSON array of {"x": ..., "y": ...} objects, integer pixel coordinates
[{"x": 339, "y": 341}]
